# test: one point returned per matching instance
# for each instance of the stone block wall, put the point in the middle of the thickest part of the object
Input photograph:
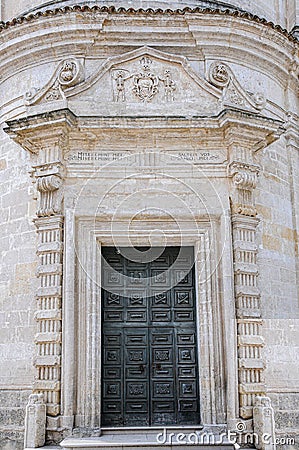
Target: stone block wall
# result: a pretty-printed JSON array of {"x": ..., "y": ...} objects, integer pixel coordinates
[
  {"x": 286, "y": 419},
  {"x": 17, "y": 302},
  {"x": 12, "y": 413},
  {"x": 278, "y": 254}
]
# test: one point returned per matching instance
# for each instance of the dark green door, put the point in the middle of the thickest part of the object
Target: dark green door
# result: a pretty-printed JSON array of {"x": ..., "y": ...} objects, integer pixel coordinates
[{"x": 149, "y": 357}]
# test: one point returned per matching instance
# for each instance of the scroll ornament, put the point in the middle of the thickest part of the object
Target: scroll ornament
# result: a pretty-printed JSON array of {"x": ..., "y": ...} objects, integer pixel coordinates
[
  {"x": 244, "y": 178},
  {"x": 221, "y": 76},
  {"x": 68, "y": 74},
  {"x": 50, "y": 199}
]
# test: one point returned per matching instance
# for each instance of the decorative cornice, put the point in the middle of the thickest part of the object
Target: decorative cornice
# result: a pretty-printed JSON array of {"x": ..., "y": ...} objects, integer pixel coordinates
[
  {"x": 56, "y": 116},
  {"x": 37, "y": 132},
  {"x": 224, "y": 118},
  {"x": 149, "y": 12},
  {"x": 200, "y": 3}
]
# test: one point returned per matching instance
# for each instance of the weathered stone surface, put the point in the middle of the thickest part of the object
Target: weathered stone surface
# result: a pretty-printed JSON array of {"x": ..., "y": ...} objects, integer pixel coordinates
[
  {"x": 12, "y": 413},
  {"x": 186, "y": 126},
  {"x": 35, "y": 422}
]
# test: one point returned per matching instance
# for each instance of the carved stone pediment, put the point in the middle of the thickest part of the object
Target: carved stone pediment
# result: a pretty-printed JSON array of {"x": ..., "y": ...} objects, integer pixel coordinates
[{"x": 144, "y": 82}]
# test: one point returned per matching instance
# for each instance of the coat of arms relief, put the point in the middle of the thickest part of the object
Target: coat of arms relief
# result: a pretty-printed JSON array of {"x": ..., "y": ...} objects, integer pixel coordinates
[{"x": 144, "y": 84}]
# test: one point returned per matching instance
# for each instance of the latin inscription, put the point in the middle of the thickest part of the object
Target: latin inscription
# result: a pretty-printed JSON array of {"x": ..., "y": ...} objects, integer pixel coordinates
[
  {"x": 204, "y": 157},
  {"x": 147, "y": 158},
  {"x": 79, "y": 157}
]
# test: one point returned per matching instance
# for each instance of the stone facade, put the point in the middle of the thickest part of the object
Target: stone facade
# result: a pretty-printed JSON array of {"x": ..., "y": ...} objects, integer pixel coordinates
[{"x": 182, "y": 121}]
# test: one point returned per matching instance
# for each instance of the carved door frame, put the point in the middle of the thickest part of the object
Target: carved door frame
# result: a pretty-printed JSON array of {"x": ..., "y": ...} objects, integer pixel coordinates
[{"x": 81, "y": 363}]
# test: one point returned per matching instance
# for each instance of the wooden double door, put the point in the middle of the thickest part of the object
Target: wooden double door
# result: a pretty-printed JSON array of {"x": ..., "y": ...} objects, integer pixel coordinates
[{"x": 149, "y": 350}]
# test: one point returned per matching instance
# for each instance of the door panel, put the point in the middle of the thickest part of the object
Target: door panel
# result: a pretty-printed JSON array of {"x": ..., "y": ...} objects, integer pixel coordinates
[{"x": 149, "y": 362}]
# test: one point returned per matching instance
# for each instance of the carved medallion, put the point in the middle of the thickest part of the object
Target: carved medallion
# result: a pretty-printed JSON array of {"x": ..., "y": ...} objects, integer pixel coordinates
[
  {"x": 219, "y": 74},
  {"x": 68, "y": 72}
]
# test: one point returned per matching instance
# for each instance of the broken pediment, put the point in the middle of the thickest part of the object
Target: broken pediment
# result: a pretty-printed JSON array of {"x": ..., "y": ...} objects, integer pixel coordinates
[{"x": 144, "y": 82}]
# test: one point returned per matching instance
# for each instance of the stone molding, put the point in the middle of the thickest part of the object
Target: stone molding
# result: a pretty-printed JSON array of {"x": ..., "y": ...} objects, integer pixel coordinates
[
  {"x": 244, "y": 171},
  {"x": 57, "y": 37},
  {"x": 48, "y": 178},
  {"x": 292, "y": 36},
  {"x": 33, "y": 134},
  {"x": 96, "y": 233},
  {"x": 49, "y": 136}
]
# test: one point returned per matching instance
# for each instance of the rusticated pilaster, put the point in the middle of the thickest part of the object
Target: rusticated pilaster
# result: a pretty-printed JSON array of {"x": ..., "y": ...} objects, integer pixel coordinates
[
  {"x": 49, "y": 224},
  {"x": 247, "y": 297},
  {"x": 247, "y": 294},
  {"x": 48, "y": 314}
]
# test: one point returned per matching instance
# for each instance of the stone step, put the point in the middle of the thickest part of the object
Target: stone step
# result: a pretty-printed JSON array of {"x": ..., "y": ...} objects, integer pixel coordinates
[
  {"x": 148, "y": 440},
  {"x": 46, "y": 447},
  {"x": 154, "y": 430}
]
